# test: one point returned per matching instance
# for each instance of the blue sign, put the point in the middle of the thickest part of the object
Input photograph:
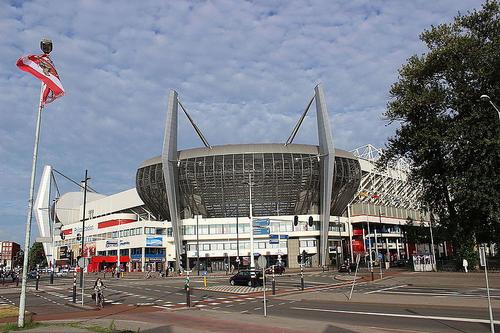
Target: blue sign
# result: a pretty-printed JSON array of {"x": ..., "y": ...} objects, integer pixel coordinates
[
  {"x": 260, "y": 231},
  {"x": 274, "y": 241},
  {"x": 273, "y": 236},
  {"x": 261, "y": 223},
  {"x": 154, "y": 241}
]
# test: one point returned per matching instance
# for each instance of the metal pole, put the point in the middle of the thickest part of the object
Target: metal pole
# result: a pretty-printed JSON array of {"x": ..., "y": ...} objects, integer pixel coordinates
[
  {"x": 82, "y": 282},
  {"x": 370, "y": 249},
  {"x": 22, "y": 298},
  {"x": 197, "y": 247},
  {"x": 349, "y": 225},
  {"x": 37, "y": 279},
  {"x": 302, "y": 277},
  {"x": 264, "y": 281},
  {"x": 492, "y": 323},
  {"x": 118, "y": 272},
  {"x": 273, "y": 283},
  {"x": 238, "y": 236},
  {"x": 74, "y": 287},
  {"x": 188, "y": 290},
  {"x": 252, "y": 259},
  {"x": 376, "y": 242},
  {"x": 355, "y": 275},
  {"x": 433, "y": 252}
]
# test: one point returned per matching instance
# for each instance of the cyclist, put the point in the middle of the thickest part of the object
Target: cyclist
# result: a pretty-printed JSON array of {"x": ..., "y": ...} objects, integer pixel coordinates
[{"x": 99, "y": 296}]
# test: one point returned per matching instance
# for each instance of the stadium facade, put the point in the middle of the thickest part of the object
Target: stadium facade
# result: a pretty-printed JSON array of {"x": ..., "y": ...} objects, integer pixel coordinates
[{"x": 194, "y": 207}]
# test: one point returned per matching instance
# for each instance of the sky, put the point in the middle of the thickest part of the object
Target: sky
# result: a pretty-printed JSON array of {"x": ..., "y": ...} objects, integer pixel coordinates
[{"x": 244, "y": 70}]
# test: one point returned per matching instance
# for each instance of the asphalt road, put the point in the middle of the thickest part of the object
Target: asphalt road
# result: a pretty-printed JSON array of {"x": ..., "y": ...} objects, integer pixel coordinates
[{"x": 167, "y": 294}]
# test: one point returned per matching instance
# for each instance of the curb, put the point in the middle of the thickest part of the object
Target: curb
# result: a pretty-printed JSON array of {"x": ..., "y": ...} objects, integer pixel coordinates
[{"x": 79, "y": 306}]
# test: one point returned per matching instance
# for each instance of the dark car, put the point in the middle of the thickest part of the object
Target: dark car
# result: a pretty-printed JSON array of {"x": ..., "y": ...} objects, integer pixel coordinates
[
  {"x": 32, "y": 274},
  {"x": 347, "y": 268},
  {"x": 244, "y": 278},
  {"x": 278, "y": 269}
]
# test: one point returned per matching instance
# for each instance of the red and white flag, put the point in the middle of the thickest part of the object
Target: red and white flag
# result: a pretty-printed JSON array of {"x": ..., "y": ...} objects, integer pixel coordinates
[{"x": 43, "y": 69}]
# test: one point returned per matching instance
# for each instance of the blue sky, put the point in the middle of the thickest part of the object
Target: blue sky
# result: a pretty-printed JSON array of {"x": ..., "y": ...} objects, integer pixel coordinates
[{"x": 244, "y": 70}]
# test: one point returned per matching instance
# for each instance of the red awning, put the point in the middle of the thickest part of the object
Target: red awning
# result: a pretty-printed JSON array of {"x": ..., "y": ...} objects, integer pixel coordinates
[{"x": 98, "y": 259}]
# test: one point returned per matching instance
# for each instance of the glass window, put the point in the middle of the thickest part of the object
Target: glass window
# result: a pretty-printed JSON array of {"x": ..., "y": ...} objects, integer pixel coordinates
[
  {"x": 261, "y": 245},
  {"x": 216, "y": 229},
  {"x": 206, "y": 247},
  {"x": 230, "y": 228},
  {"x": 203, "y": 229},
  {"x": 233, "y": 246},
  {"x": 189, "y": 230}
]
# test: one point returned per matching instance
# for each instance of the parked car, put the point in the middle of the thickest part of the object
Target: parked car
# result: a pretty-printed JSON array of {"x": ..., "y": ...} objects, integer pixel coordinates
[
  {"x": 32, "y": 274},
  {"x": 62, "y": 272},
  {"x": 278, "y": 269},
  {"x": 347, "y": 268},
  {"x": 244, "y": 278}
]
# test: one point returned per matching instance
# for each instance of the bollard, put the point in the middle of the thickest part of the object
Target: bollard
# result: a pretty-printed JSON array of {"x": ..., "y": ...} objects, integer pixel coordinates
[
  {"x": 17, "y": 280},
  {"x": 302, "y": 277},
  {"x": 274, "y": 286},
  {"x": 74, "y": 287},
  {"x": 37, "y": 280},
  {"x": 372, "y": 275},
  {"x": 205, "y": 282},
  {"x": 188, "y": 292},
  {"x": 52, "y": 277}
]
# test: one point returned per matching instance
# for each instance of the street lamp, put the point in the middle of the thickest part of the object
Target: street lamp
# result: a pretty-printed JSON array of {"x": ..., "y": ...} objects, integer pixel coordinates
[
  {"x": 487, "y": 98},
  {"x": 252, "y": 259}
]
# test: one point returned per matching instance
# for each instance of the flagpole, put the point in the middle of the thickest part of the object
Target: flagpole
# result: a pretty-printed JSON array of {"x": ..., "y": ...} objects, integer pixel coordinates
[{"x": 22, "y": 299}]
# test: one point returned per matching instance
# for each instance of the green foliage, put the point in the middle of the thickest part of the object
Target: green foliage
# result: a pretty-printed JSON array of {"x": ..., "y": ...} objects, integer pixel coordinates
[
  {"x": 37, "y": 256},
  {"x": 450, "y": 136}
]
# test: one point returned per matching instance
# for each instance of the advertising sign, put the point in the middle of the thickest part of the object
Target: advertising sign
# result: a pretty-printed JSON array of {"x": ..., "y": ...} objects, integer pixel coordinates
[
  {"x": 114, "y": 243},
  {"x": 261, "y": 223},
  {"x": 260, "y": 231},
  {"x": 63, "y": 252},
  {"x": 89, "y": 250},
  {"x": 154, "y": 241}
]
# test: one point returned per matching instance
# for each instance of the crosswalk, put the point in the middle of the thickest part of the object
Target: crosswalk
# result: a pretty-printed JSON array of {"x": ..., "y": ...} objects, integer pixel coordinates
[
  {"x": 233, "y": 289},
  {"x": 4, "y": 300}
]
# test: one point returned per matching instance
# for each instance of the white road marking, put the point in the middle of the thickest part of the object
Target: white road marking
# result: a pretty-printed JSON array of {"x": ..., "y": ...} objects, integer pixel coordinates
[
  {"x": 467, "y": 320},
  {"x": 384, "y": 289}
]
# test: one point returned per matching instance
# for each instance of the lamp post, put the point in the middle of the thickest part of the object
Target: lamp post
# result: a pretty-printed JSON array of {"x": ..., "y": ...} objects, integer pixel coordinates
[
  {"x": 118, "y": 273},
  {"x": 197, "y": 247},
  {"x": 252, "y": 259},
  {"x": 487, "y": 98},
  {"x": 82, "y": 283}
]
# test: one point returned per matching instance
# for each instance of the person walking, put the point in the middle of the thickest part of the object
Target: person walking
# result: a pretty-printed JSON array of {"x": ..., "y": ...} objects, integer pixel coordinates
[
  {"x": 465, "y": 264},
  {"x": 98, "y": 292}
]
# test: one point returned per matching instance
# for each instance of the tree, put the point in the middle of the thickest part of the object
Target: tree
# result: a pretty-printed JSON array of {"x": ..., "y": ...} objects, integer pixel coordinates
[
  {"x": 450, "y": 137},
  {"x": 37, "y": 255}
]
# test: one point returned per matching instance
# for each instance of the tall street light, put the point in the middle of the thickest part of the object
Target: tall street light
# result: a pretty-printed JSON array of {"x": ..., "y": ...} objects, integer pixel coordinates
[
  {"x": 252, "y": 259},
  {"x": 487, "y": 98}
]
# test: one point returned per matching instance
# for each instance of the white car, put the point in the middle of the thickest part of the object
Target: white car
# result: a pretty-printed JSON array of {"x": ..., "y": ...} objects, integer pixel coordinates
[{"x": 62, "y": 272}]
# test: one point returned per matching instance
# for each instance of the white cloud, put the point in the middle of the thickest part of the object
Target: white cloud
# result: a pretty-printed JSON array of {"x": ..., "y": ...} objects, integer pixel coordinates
[{"x": 245, "y": 70}]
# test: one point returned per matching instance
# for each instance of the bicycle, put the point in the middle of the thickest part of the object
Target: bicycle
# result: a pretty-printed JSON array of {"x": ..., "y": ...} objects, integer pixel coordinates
[{"x": 99, "y": 297}]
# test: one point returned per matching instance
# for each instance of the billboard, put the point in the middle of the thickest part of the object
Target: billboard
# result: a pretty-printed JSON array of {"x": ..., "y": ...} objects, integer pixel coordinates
[{"x": 154, "y": 241}]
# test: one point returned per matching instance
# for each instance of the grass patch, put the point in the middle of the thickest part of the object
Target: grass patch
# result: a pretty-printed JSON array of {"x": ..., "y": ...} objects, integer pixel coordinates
[{"x": 12, "y": 327}]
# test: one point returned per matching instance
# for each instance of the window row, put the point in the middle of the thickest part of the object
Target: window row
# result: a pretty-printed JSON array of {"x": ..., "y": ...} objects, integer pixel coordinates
[{"x": 233, "y": 246}]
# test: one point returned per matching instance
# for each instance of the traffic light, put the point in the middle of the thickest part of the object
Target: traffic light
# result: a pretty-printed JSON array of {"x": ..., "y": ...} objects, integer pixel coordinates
[
  {"x": 295, "y": 220},
  {"x": 61, "y": 234},
  {"x": 303, "y": 256},
  {"x": 78, "y": 237},
  {"x": 310, "y": 221},
  {"x": 184, "y": 261}
]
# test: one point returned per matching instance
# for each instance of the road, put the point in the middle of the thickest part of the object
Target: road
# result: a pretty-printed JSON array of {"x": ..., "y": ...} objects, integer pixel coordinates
[{"x": 382, "y": 305}]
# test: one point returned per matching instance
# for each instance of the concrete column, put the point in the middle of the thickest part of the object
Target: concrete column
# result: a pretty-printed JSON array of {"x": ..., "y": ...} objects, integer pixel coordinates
[
  {"x": 293, "y": 252},
  {"x": 143, "y": 258},
  {"x": 327, "y": 169},
  {"x": 397, "y": 247}
]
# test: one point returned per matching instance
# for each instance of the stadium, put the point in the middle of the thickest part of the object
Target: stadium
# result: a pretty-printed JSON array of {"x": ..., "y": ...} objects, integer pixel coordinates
[{"x": 215, "y": 207}]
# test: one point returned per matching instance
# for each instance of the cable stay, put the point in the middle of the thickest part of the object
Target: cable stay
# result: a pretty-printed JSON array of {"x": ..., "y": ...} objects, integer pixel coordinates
[{"x": 196, "y": 128}]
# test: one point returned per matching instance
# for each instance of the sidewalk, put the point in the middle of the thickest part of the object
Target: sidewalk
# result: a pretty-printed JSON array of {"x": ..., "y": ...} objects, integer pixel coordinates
[{"x": 208, "y": 321}]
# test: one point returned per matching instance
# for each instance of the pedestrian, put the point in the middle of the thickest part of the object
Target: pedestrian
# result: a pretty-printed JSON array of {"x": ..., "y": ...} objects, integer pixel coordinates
[
  {"x": 465, "y": 264},
  {"x": 112, "y": 272}
]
